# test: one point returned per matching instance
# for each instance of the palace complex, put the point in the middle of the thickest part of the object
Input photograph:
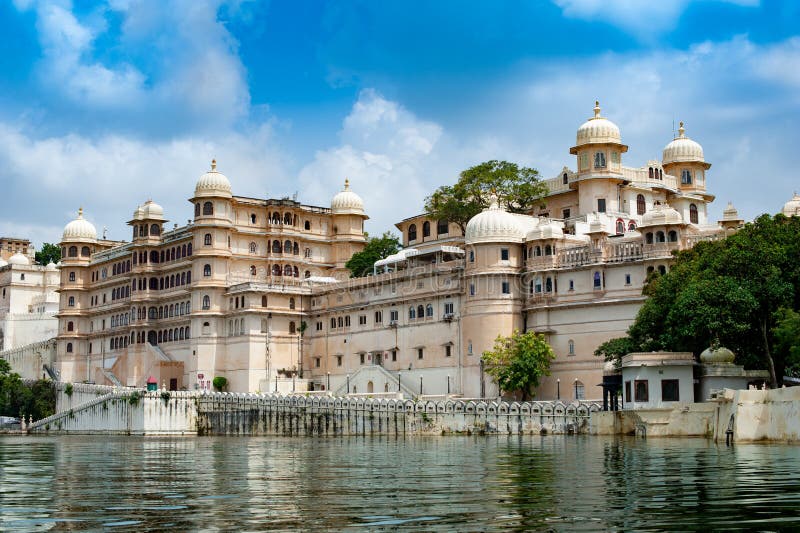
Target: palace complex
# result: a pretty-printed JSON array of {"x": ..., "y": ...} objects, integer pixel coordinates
[{"x": 256, "y": 290}]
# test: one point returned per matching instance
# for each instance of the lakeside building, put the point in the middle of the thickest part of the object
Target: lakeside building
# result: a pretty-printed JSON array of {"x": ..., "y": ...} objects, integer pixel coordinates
[{"x": 256, "y": 290}]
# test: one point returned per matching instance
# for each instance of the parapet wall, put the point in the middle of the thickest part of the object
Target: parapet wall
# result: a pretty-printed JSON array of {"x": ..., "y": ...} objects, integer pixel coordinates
[
  {"x": 136, "y": 412},
  {"x": 760, "y": 415}
]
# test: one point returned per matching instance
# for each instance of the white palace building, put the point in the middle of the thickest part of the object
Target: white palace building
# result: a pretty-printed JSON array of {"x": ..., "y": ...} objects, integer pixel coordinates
[{"x": 256, "y": 290}]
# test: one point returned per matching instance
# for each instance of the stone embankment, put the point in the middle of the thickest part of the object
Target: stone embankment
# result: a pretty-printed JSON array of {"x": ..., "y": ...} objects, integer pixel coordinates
[{"x": 136, "y": 412}]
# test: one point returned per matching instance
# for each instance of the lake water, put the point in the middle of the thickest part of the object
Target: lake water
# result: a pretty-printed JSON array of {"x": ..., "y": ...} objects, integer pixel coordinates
[{"x": 438, "y": 483}]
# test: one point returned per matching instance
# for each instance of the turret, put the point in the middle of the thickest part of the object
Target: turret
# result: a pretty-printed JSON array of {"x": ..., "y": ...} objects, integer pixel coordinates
[
  {"x": 348, "y": 219},
  {"x": 684, "y": 159}
]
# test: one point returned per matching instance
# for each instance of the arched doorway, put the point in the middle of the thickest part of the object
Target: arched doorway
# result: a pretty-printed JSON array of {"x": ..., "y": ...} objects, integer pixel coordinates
[
  {"x": 152, "y": 338},
  {"x": 370, "y": 387}
]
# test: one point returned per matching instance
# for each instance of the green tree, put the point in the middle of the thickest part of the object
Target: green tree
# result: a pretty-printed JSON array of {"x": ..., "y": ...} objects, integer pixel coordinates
[
  {"x": 49, "y": 252},
  {"x": 614, "y": 349},
  {"x": 36, "y": 399},
  {"x": 377, "y": 248},
  {"x": 517, "y": 188},
  {"x": 519, "y": 361},
  {"x": 728, "y": 292},
  {"x": 787, "y": 339}
]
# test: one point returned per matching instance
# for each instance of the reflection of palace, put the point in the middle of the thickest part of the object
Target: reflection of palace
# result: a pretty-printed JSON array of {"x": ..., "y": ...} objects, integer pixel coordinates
[{"x": 256, "y": 290}]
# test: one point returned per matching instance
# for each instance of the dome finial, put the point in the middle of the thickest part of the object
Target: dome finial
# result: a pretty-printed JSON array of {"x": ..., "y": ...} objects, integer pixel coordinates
[
  {"x": 681, "y": 130},
  {"x": 80, "y": 212},
  {"x": 597, "y": 109},
  {"x": 346, "y": 184},
  {"x": 213, "y": 165}
]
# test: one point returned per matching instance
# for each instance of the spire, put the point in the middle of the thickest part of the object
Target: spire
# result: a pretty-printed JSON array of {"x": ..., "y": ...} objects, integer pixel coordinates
[
  {"x": 346, "y": 184},
  {"x": 80, "y": 212},
  {"x": 596, "y": 109},
  {"x": 213, "y": 165},
  {"x": 681, "y": 131}
]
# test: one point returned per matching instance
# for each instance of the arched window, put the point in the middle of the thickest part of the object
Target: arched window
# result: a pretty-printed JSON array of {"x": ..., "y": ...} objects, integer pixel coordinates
[
  {"x": 548, "y": 285},
  {"x": 295, "y": 272},
  {"x": 155, "y": 229},
  {"x": 291, "y": 303},
  {"x": 597, "y": 280},
  {"x": 287, "y": 270},
  {"x": 631, "y": 226},
  {"x": 649, "y": 237},
  {"x": 72, "y": 276},
  {"x": 292, "y": 328},
  {"x": 71, "y": 301},
  {"x": 340, "y": 322},
  {"x": 73, "y": 251},
  {"x": 208, "y": 208},
  {"x": 307, "y": 274},
  {"x": 264, "y": 301},
  {"x": 442, "y": 227},
  {"x": 307, "y": 225},
  {"x": 620, "y": 226},
  {"x": 70, "y": 326},
  {"x": 412, "y": 313},
  {"x": 600, "y": 160},
  {"x": 252, "y": 270},
  {"x": 85, "y": 252},
  {"x": 651, "y": 172},
  {"x": 641, "y": 206},
  {"x": 429, "y": 310},
  {"x": 662, "y": 269},
  {"x": 276, "y": 270},
  {"x": 296, "y": 249},
  {"x": 252, "y": 218},
  {"x": 426, "y": 229},
  {"x": 571, "y": 347},
  {"x": 197, "y": 210},
  {"x": 580, "y": 393},
  {"x": 69, "y": 347},
  {"x": 565, "y": 179},
  {"x": 537, "y": 251},
  {"x": 253, "y": 248},
  {"x": 189, "y": 249},
  {"x": 206, "y": 302},
  {"x": 287, "y": 247},
  {"x": 660, "y": 237},
  {"x": 207, "y": 270},
  {"x": 412, "y": 232},
  {"x": 420, "y": 311},
  {"x": 686, "y": 177},
  {"x": 693, "y": 218},
  {"x": 672, "y": 236},
  {"x": 287, "y": 219}
]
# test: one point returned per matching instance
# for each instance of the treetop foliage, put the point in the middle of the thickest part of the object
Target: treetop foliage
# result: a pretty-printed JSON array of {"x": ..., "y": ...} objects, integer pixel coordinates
[
  {"x": 518, "y": 362},
  {"x": 377, "y": 248}
]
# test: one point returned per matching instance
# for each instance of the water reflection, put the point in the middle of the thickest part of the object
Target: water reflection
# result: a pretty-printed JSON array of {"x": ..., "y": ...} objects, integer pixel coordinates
[{"x": 448, "y": 483}]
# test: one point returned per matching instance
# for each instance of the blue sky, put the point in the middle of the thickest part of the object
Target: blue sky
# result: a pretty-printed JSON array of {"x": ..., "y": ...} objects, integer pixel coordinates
[{"x": 106, "y": 104}]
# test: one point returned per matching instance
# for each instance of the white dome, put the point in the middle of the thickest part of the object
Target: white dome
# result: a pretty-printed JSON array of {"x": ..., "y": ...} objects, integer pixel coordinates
[
  {"x": 79, "y": 229},
  {"x": 347, "y": 202},
  {"x": 548, "y": 230},
  {"x": 597, "y": 130},
  {"x": 494, "y": 224},
  {"x": 683, "y": 150},
  {"x": 51, "y": 266},
  {"x": 660, "y": 215},
  {"x": 792, "y": 207},
  {"x": 212, "y": 183},
  {"x": 18, "y": 259}
]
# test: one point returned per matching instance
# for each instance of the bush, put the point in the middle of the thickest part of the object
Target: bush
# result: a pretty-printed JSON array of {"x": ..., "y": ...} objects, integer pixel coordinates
[
  {"x": 133, "y": 399},
  {"x": 68, "y": 389},
  {"x": 220, "y": 383},
  {"x": 165, "y": 395}
]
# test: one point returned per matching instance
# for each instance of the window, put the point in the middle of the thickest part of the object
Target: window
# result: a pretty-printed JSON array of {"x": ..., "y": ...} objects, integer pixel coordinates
[
  {"x": 393, "y": 315},
  {"x": 316, "y": 362},
  {"x": 601, "y": 205},
  {"x": 338, "y": 360},
  {"x": 448, "y": 350},
  {"x": 361, "y": 358},
  {"x": 292, "y": 328},
  {"x": 693, "y": 218},
  {"x": 429, "y": 310},
  {"x": 347, "y": 321},
  {"x": 600, "y": 160},
  {"x": 426, "y": 229},
  {"x": 597, "y": 281},
  {"x": 442, "y": 227},
  {"x": 333, "y": 323},
  {"x": 253, "y": 248},
  {"x": 565, "y": 178},
  {"x": 504, "y": 254},
  {"x": 378, "y": 317},
  {"x": 472, "y": 256},
  {"x": 631, "y": 226},
  {"x": 571, "y": 347},
  {"x": 196, "y": 210},
  {"x": 412, "y": 232},
  {"x": 565, "y": 213},
  {"x": 71, "y": 301},
  {"x": 448, "y": 308},
  {"x": 660, "y": 236},
  {"x": 627, "y": 279},
  {"x": 207, "y": 270},
  {"x": 472, "y": 289},
  {"x": 85, "y": 252},
  {"x": 670, "y": 390},
  {"x": 362, "y": 320},
  {"x": 627, "y": 391},
  {"x": 73, "y": 251},
  {"x": 640, "y": 391},
  {"x": 70, "y": 326},
  {"x": 208, "y": 208},
  {"x": 207, "y": 239},
  {"x": 307, "y": 225},
  {"x": 580, "y": 391},
  {"x": 506, "y": 287},
  {"x": 641, "y": 206},
  {"x": 72, "y": 276},
  {"x": 420, "y": 353},
  {"x": 686, "y": 177},
  {"x": 420, "y": 312},
  {"x": 252, "y": 218},
  {"x": 206, "y": 302},
  {"x": 620, "y": 227},
  {"x": 412, "y": 313},
  {"x": 291, "y": 303},
  {"x": 672, "y": 236},
  {"x": 572, "y": 285},
  {"x": 394, "y": 355},
  {"x": 69, "y": 347}
]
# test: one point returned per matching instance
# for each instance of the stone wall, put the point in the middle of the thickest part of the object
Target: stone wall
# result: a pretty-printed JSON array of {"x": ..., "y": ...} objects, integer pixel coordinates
[
  {"x": 759, "y": 415},
  {"x": 94, "y": 409},
  {"x": 28, "y": 360},
  {"x": 687, "y": 420}
]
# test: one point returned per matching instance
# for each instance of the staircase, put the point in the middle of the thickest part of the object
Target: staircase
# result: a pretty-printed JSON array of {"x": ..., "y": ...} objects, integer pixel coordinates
[
  {"x": 52, "y": 372},
  {"x": 112, "y": 378},
  {"x": 370, "y": 373},
  {"x": 158, "y": 352}
]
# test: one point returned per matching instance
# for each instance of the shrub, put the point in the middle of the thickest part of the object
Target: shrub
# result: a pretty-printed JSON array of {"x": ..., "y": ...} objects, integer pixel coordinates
[
  {"x": 220, "y": 382},
  {"x": 165, "y": 395},
  {"x": 68, "y": 389},
  {"x": 133, "y": 399}
]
